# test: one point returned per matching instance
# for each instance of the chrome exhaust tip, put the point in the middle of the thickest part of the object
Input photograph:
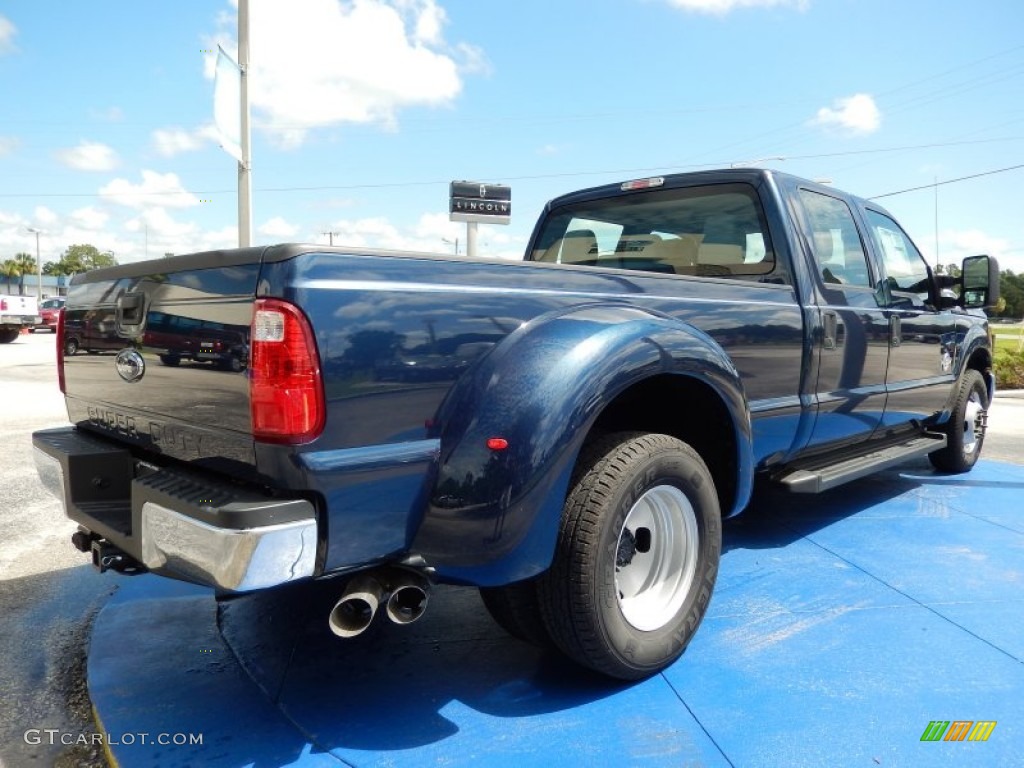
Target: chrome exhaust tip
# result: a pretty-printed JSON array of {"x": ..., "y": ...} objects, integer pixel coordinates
[
  {"x": 354, "y": 611},
  {"x": 408, "y": 600}
]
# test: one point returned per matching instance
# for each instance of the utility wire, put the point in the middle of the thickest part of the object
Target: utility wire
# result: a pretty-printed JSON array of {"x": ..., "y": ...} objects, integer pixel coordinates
[
  {"x": 947, "y": 181},
  {"x": 528, "y": 177}
]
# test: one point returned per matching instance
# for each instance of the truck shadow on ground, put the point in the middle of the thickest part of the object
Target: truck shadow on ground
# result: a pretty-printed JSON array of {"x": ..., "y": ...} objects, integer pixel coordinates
[
  {"x": 398, "y": 687},
  {"x": 456, "y": 673},
  {"x": 776, "y": 518}
]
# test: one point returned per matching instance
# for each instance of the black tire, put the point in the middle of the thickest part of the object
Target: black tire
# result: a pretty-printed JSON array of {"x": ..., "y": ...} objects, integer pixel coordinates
[
  {"x": 965, "y": 430},
  {"x": 7, "y": 335},
  {"x": 170, "y": 360},
  {"x": 633, "y": 476},
  {"x": 70, "y": 347},
  {"x": 516, "y": 609},
  {"x": 233, "y": 364}
]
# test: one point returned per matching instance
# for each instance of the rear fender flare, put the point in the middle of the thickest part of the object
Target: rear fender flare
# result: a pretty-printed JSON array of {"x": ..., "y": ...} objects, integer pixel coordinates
[{"x": 492, "y": 515}]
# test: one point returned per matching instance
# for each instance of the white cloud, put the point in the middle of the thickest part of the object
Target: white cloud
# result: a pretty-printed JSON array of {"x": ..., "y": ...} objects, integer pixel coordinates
[
  {"x": 857, "y": 114},
  {"x": 432, "y": 233},
  {"x": 90, "y": 217},
  {"x": 172, "y": 141},
  {"x": 156, "y": 189},
  {"x": 7, "y": 33},
  {"x": 43, "y": 215},
  {"x": 955, "y": 245},
  {"x": 722, "y": 7},
  {"x": 278, "y": 228},
  {"x": 108, "y": 115},
  {"x": 88, "y": 156},
  {"x": 429, "y": 23},
  {"x": 8, "y": 144},
  {"x": 324, "y": 63},
  {"x": 473, "y": 60}
]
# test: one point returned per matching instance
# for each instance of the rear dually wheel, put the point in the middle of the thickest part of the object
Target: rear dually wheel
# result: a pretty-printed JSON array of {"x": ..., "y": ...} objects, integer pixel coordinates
[{"x": 637, "y": 555}]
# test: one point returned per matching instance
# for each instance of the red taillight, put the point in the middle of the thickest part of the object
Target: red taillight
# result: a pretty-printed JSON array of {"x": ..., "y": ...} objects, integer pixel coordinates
[
  {"x": 60, "y": 350},
  {"x": 286, "y": 391},
  {"x": 3, "y": 304}
]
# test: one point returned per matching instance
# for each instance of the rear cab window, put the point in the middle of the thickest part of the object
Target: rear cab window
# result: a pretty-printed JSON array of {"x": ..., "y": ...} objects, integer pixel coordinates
[{"x": 716, "y": 230}]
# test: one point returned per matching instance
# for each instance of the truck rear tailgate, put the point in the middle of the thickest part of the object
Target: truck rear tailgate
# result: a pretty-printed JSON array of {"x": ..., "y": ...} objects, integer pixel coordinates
[{"x": 158, "y": 359}]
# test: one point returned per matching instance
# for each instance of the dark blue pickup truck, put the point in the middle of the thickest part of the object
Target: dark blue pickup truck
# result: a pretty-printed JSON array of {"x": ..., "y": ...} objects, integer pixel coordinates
[{"x": 565, "y": 433}]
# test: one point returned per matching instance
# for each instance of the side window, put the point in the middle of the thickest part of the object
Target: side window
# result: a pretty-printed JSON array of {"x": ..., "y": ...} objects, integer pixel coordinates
[
  {"x": 907, "y": 282},
  {"x": 838, "y": 251}
]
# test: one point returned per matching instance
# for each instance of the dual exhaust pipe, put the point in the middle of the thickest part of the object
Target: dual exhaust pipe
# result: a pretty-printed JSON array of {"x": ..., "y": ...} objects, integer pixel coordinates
[{"x": 402, "y": 593}]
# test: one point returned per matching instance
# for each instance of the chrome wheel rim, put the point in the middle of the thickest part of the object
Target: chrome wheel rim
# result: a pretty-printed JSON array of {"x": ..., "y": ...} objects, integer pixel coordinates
[
  {"x": 656, "y": 557},
  {"x": 974, "y": 423}
]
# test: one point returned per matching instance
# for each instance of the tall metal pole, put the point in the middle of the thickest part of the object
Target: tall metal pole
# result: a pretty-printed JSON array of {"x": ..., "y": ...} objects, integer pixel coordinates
[
  {"x": 39, "y": 268},
  {"x": 471, "y": 239},
  {"x": 245, "y": 166},
  {"x": 39, "y": 263}
]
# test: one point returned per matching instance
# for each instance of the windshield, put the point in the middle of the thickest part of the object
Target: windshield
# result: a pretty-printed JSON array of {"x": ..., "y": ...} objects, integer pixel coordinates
[{"x": 712, "y": 231}]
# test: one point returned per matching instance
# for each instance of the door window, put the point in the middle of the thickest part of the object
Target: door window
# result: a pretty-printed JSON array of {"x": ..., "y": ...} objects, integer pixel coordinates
[
  {"x": 907, "y": 280},
  {"x": 835, "y": 242}
]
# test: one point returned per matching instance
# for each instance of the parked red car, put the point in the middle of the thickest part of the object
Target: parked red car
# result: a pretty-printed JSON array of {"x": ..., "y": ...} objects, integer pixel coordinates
[{"x": 49, "y": 309}]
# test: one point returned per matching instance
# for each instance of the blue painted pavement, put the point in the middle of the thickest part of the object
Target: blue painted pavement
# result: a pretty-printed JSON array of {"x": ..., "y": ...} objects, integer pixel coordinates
[{"x": 841, "y": 626}]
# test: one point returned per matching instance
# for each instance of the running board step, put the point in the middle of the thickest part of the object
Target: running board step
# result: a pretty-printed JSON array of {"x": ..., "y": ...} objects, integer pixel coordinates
[{"x": 829, "y": 476}]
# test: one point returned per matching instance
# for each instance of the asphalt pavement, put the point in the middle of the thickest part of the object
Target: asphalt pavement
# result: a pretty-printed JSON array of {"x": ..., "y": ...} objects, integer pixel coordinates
[{"x": 49, "y": 593}]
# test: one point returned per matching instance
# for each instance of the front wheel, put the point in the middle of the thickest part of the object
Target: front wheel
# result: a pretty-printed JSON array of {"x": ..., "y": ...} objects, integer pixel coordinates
[
  {"x": 965, "y": 430},
  {"x": 637, "y": 555}
]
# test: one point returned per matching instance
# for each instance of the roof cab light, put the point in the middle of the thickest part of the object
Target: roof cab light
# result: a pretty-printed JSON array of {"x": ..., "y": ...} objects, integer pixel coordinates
[
  {"x": 654, "y": 181},
  {"x": 286, "y": 391}
]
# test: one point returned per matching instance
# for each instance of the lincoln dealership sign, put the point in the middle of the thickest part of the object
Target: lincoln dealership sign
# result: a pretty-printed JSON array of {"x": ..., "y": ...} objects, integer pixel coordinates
[{"x": 477, "y": 202}]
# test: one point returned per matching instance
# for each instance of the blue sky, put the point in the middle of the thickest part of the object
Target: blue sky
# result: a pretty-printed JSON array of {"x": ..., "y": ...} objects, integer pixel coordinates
[{"x": 363, "y": 111}]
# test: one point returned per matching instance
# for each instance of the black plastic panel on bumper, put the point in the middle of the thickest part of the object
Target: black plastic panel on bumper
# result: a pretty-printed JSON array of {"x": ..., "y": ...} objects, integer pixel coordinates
[{"x": 177, "y": 522}]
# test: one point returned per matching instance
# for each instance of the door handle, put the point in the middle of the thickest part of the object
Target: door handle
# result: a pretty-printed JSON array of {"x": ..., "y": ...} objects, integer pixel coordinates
[
  {"x": 895, "y": 331},
  {"x": 829, "y": 329},
  {"x": 130, "y": 309}
]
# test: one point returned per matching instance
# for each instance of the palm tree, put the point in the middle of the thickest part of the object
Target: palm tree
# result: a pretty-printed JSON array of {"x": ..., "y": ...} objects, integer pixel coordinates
[
  {"x": 27, "y": 265},
  {"x": 10, "y": 269}
]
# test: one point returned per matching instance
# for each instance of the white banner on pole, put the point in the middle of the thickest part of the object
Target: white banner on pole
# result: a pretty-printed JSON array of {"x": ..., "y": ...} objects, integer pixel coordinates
[{"x": 227, "y": 98}]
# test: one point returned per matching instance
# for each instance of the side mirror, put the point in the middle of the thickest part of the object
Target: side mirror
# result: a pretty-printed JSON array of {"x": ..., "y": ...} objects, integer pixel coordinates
[{"x": 980, "y": 282}]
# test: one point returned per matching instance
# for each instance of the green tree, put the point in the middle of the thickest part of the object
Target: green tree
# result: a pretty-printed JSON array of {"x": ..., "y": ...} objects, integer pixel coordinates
[
  {"x": 1011, "y": 288},
  {"x": 55, "y": 268},
  {"x": 82, "y": 258},
  {"x": 26, "y": 266},
  {"x": 10, "y": 269}
]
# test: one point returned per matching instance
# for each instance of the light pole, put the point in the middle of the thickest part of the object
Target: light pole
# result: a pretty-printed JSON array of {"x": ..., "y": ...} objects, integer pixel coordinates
[
  {"x": 454, "y": 243},
  {"x": 39, "y": 263}
]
